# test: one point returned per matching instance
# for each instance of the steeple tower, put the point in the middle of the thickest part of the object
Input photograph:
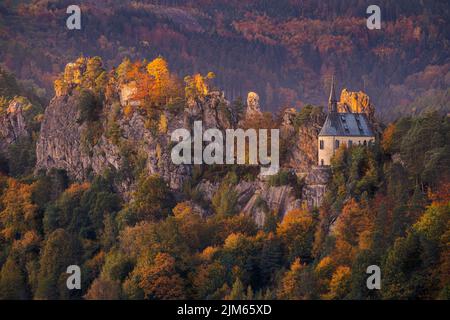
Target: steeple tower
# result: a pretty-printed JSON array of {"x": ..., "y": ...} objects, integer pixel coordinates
[{"x": 332, "y": 102}]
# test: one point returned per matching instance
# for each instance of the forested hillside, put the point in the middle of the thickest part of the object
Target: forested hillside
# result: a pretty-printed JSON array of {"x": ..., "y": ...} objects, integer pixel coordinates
[
  {"x": 387, "y": 204},
  {"x": 284, "y": 50}
]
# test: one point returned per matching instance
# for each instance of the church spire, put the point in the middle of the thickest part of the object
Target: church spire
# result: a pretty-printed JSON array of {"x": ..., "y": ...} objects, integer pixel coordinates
[{"x": 332, "y": 102}]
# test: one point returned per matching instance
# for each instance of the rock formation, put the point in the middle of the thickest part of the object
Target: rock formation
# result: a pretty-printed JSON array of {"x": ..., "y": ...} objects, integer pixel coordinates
[
  {"x": 13, "y": 125},
  {"x": 253, "y": 107},
  {"x": 122, "y": 137},
  {"x": 357, "y": 102}
]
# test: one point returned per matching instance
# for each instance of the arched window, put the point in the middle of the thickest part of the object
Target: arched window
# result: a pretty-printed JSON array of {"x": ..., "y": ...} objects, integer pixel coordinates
[
  {"x": 336, "y": 143},
  {"x": 321, "y": 162},
  {"x": 321, "y": 144},
  {"x": 365, "y": 142}
]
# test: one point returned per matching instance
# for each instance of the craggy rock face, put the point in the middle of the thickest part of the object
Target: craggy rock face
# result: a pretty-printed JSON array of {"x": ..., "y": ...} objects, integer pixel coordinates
[
  {"x": 253, "y": 107},
  {"x": 13, "y": 125},
  {"x": 63, "y": 144},
  {"x": 257, "y": 198},
  {"x": 123, "y": 138},
  {"x": 82, "y": 148},
  {"x": 357, "y": 102},
  {"x": 302, "y": 154}
]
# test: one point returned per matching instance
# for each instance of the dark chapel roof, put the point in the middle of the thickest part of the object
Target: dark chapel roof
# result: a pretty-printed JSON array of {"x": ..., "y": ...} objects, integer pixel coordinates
[{"x": 346, "y": 124}]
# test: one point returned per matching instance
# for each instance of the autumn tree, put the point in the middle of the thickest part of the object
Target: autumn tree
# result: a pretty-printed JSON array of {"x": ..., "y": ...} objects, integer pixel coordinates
[
  {"x": 103, "y": 289},
  {"x": 197, "y": 85},
  {"x": 18, "y": 211},
  {"x": 237, "y": 291},
  {"x": 165, "y": 86},
  {"x": 354, "y": 220},
  {"x": 12, "y": 281},
  {"x": 340, "y": 283},
  {"x": 59, "y": 252},
  {"x": 159, "y": 280},
  {"x": 208, "y": 278},
  {"x": 297, "y": 283},
  {"x": 388, "y": 141},
  {"x": 297, "y": 233},
  {"x": 151, "y": 200},
  {"x": 271, "y": 258}
]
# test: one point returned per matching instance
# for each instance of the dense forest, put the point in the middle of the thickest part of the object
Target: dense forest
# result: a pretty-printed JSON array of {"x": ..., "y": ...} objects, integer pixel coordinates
[
  {"x": 387, "y": 204},
  {"x": 286, "y": 50}
]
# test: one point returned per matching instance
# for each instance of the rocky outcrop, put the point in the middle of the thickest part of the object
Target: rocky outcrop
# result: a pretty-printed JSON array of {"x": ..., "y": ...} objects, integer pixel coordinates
[
  {"x": 253, "y": 107},
  {"x": 124, "y": 137},
  {"x": 316, "y": 181},
  {"x": 213, "y": 110},
  {"x": 256, "y": 198},
  {"x": 278, "y": 200},
  {"x": 84, "y": 147},
  {"x": 300, "y": 142},
  {"x": 357, "y": 102},
  {"x": 13, "y": 124}
]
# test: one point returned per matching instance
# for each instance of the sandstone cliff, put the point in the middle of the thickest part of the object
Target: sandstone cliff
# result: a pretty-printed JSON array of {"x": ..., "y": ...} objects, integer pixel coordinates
[
  {"x": 13, "y": 124},
  {"x": 357, "y": 102},
  {"x": 117, "y": 132}
]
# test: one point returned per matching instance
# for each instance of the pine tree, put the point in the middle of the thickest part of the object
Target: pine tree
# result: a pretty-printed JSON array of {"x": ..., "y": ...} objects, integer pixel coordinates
[
  {"x": 12, "y": 281},
  {"x": 237, "y": 291}
]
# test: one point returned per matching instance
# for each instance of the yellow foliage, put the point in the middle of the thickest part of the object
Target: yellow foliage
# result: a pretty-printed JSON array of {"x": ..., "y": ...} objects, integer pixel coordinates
[
  {"x": 60, "y": 87},
  {"x": 200, "y": 84},
  {"x": 158, "y": 151},
  {"x": 182, "y": 210},
  {"x": 325, "y": 266},
  {"x": 388, "y": 138},
  {"x": 365, "y": 240},
  {"x": 159, "y": 279},
  {"x": 29, "y": 239},
  {"x": 353, "y": 220},
  {"x": 196, "y": 85},
  {"x": 293, "y": 217},
  {"x": 232, "y": 241},
  {"x": 159, "y": 71},
  {"x": 435, "y": 221},
  {"x": 163, "y": 123},
  {"x": 340, "y": 283},
  {"x": 18, "y": 210},
  {"x": 128, "y": 110},
  {"x": 296, "y": 266},
  {"x": 78, "y": 187},
  {"x": 208, "y": 253},
  {"x": 343, "y": 252},
  {"x": 291, "y": 284}
]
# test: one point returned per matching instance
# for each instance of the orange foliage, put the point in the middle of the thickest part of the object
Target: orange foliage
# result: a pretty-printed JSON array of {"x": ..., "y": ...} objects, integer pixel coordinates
[
  {"x": 182, "y": 210},
  {"x": 343, "y": 252},
  {"x": 442, "y": 193},
  {"x": 340, "y": 283},
  {"x": 293, "y": 217},
  {"x": 388, "y": 138},
  {"x": 352, "y": 222},
  {"x": 291, "y": 282},
  {"x": 18, "y": 210},
  {"x": 160, "y": 280},
  {"x": 78, "y": 187},
  {"x": 128, "y": 110},
  {"x": 208, "y": 253}
]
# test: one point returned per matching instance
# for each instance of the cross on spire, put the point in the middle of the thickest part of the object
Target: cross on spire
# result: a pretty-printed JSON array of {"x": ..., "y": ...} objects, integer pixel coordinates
[{"x": 332, "y": 102}]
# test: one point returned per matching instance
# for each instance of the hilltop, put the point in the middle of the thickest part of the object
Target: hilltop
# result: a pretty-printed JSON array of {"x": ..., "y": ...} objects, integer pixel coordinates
[{"x": 288, "y": 58}]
